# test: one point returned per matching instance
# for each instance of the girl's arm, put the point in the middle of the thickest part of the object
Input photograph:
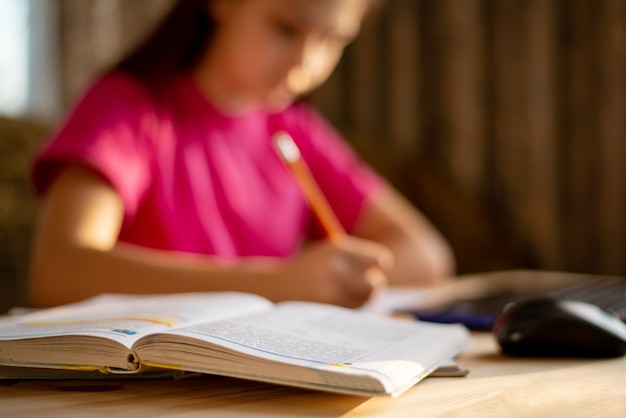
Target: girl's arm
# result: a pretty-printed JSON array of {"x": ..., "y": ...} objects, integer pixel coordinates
[
  {"x": 422, "y": 255},
  {"x": 76, "y": 255}
]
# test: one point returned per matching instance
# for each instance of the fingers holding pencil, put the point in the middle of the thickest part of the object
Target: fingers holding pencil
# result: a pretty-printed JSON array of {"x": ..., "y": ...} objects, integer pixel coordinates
[
  {"x": 347, "y": 273},
  {"x": 370, "y": 260}
]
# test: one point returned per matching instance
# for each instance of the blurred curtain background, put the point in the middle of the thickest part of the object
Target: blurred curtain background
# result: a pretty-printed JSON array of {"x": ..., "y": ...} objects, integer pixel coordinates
[{"x": 503, "y": 120}]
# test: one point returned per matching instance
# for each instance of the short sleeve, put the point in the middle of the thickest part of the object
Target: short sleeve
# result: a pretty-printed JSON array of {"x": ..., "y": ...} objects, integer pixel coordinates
[
  {"x": 345, "y": 179},
  {"x": 109, "y": 131}
]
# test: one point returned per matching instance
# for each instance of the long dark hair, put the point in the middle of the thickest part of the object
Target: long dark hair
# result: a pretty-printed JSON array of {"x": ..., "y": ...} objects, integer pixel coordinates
[{"x": 176, "y": 45}]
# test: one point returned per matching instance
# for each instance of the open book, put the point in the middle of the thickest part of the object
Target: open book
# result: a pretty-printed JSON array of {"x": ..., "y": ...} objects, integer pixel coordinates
[{"x": 301, "y": 344}]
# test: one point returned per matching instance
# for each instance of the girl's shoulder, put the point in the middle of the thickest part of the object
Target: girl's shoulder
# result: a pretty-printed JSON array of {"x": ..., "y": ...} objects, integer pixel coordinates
[
  {"x": 115, "y": 99},
  {"x": 118, "y": 87}
]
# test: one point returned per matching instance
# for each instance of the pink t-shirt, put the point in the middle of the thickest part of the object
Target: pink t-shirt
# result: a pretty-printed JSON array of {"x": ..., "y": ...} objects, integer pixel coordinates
[{"x": 194, "y": 180}]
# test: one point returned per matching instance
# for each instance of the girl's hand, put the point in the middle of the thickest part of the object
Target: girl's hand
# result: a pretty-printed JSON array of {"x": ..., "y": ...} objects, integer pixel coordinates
[{"x": 345, "y": 273}]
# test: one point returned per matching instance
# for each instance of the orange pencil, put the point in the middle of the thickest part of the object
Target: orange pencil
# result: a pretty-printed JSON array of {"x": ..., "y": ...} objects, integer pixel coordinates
[{"x": 290, "y": 154}]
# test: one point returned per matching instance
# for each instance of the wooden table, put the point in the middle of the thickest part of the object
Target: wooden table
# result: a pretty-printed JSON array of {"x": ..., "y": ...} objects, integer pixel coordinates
[{"x": 497, "y": 386}]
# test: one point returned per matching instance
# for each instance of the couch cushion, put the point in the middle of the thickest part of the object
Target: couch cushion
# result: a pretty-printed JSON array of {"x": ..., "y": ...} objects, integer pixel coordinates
[{"x": 19, "y": 140}]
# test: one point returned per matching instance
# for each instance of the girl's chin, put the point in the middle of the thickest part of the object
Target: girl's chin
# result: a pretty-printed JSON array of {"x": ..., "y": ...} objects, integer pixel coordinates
[
  {"x": 279, "y": 101},
  {"x": 274, "y": 107},
  {"x": 270, "y": 105}
]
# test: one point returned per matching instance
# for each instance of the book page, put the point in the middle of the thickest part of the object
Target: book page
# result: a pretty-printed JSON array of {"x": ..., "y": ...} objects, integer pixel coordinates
[
  {"x": 321, "y": 336},
  {"x": 125, "y": 318}
]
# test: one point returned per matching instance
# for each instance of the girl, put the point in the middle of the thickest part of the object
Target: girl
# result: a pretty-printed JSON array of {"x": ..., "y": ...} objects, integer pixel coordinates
[{"x": 164, "y": 178}]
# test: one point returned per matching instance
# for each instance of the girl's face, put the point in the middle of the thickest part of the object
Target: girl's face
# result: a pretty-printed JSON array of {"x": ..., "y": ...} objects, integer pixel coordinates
[{"x": 266, "y": 53}]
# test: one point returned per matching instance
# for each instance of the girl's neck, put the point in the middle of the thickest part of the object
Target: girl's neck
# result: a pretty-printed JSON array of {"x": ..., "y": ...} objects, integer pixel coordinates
[{"x": 211, "y": 85}]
